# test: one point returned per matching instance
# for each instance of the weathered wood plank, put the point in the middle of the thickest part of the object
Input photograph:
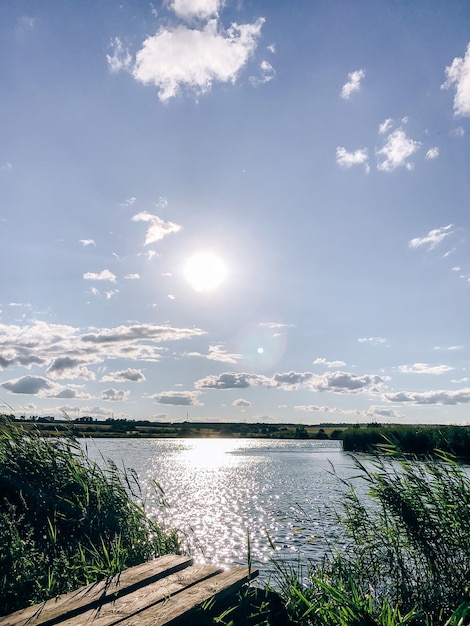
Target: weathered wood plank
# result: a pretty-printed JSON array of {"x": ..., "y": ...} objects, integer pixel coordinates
[
  {"x": 183, "y": 608},
  {"x": 93, "y": 595},
  {"x": 132, "y": 605}
]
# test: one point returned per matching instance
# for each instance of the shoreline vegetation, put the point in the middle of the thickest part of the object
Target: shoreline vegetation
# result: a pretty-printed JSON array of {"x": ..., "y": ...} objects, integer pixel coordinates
[{"x": 404, "y": 558}]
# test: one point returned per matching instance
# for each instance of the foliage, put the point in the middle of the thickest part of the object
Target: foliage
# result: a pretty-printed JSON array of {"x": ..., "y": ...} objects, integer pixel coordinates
[
  {"x": 420, "y": 440},
  {"x": 65, "y": 521},
  {"x": 407, "y": 554}
]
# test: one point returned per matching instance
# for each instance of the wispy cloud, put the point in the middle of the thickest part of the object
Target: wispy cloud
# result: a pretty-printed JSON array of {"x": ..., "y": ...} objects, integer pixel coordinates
[
  {"x": 323, "y": 361},
  {"x": 432, "y": 154},
  {"x": 158, "y": 228},
  {"x": 424, "y": 368},
  {"x": 104, "y": 275},
  {"x": 353, "y": 84},
  {"x": 458, "y": 76},
  {"x": 87, "y": 242},
  {"x": 433, "y": 238},
  {"x": 376, "y": 341}
]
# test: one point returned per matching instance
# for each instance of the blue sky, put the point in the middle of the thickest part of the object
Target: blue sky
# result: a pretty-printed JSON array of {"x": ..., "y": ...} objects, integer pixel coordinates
[{"x": 245, "y": 211}]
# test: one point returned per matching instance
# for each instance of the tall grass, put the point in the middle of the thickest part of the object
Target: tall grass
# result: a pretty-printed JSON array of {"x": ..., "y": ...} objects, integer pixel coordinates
[
  {"x": 406, "y": 558},
  {"x": 64, "y": 520}
]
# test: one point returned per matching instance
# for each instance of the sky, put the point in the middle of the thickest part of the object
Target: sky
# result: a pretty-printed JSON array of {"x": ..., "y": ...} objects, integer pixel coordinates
[{"x": 235, "y": 211}]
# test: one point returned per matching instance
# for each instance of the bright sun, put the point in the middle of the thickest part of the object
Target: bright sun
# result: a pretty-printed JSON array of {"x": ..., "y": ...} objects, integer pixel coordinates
[{"x": 205, "y": 271}]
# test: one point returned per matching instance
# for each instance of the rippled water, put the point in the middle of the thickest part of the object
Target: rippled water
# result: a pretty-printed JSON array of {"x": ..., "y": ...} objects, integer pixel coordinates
[{"x": 218, "y": 490}]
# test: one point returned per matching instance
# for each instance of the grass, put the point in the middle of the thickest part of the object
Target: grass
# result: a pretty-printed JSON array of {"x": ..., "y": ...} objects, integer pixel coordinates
[
  {"x": 65, "y": 521},
  {"x": 406, "y": 558}
]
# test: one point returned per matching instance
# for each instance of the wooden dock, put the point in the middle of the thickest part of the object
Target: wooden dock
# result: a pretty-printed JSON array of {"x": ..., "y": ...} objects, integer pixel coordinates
[{"x": 168, "y": 590}]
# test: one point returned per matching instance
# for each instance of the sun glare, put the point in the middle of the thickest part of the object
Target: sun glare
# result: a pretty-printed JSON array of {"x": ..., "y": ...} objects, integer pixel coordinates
[{"x": 205, "y": 271}]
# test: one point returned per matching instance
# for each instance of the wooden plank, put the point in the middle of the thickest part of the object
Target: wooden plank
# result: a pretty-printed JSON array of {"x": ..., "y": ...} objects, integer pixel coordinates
[
  {"x": 182, "y": 608},
  {"x": 149, "y": 596},
  {"x": 75, "y": 602}
]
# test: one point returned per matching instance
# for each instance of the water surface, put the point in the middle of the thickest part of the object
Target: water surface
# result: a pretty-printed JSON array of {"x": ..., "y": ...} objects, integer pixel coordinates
[{"x": 219, "y": 490}]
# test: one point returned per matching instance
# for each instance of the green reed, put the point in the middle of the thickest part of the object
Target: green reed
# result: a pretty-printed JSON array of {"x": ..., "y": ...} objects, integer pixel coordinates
[
  {"x": 406, "y": 553},
  {"x": 66, "y": 521}
]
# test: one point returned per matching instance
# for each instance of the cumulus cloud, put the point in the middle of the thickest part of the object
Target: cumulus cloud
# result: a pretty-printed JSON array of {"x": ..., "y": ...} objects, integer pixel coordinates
[
  {"x": 158, "y": 228},
  {"x": 179, "y": 398},
  {"x": 432, "y": 154},
  {"x": 88, "y": 242},
  {"x": 115, "y": 395},
  {"x": 31, "y": 385},
  {"x": 433, "y": 238},
  {"x": 233, "y": 380},
  {"x": 460, "y": 396},
  {"x": 241, "y": 402},
  {"x": 396, "y": 151},
  {"x": 458, "y": 76},
  {"x": 181, "y": 57},
  {"x": 104, "y": 275},
  {"x": 67, "y": 350},
  {"x": 336, "y": 382},
  {"x": 424, "y": 368},
  {"x": 68, "y": 367},
  {"x": 128, "y": 375},
  {"x": 348, "y": 159},
  {"x": 200, "y": 9},
  {"x": 353, "y": 84}
]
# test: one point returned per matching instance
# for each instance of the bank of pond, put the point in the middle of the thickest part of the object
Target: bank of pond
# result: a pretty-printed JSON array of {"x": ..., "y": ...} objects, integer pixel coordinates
[{"x": 404, "y": 557}]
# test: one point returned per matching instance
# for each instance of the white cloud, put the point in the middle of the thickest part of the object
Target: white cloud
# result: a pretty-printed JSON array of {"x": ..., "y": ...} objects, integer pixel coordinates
[
  {"x": 132, "y": 276},
  {"x": 200, "y": 9},
  {"x": 348, "y": 159},
  {"x": 424, "y": 368},
  {"x": 104, "y": 275},
  {"x": 373, "y": 340},
  {"x": 385, "y": 126},
  {"x": 336, "y": 382},
  {"x": 458, "y": 75},
  {"x": 6, "y": 167},
  {"x": 128, "y": 375},
  {"x": 241, "y": 402},
  {"x": 353, "y": 84},
  {"x": 432, "y": 153},
  {"x": 396, "y": 151},
  {"x": 267, "y": 73},
  {"x": 120, "y": 58},
  {"x": 458, "y": 132},
  {"x": 433, "y": 238},
  {"x": 115, "y": 395},
  {"x": 182, "y": 57},
  {"x": 323, "y": 361},
  {"x": 179, "y": 398},
  {"x": 88, "y": 242},
  {"x": 67, "y": 350},
  {"x": 460, "y": 396},
  {"x": 158, "y": 229}
]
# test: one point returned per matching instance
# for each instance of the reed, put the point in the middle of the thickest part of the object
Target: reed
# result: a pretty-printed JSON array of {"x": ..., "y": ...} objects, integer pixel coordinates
[
  {"x": 406, "y": 553},
  {"x": 64, "y": 520}
]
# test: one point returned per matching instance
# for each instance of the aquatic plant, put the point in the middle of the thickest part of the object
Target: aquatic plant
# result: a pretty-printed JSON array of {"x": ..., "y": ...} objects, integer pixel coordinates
[
  {"x": 64, "y": 520},
  {"x": 406, "y": 558}
]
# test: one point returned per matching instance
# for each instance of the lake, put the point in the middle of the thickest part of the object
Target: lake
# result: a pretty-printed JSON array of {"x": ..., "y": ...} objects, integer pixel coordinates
[{"x": 219, "y": 490}]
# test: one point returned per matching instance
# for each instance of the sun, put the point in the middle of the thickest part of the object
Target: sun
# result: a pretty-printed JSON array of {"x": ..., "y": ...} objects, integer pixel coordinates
[{"x": 205, "y": 271}]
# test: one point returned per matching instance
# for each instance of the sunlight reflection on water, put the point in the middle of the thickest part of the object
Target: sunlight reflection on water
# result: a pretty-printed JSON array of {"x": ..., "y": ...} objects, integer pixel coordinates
[{"x": 219, "y": 489}]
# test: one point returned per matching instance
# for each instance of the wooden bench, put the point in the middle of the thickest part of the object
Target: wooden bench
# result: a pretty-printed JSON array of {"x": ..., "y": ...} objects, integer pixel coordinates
[{"x": 169, "y": 590}]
